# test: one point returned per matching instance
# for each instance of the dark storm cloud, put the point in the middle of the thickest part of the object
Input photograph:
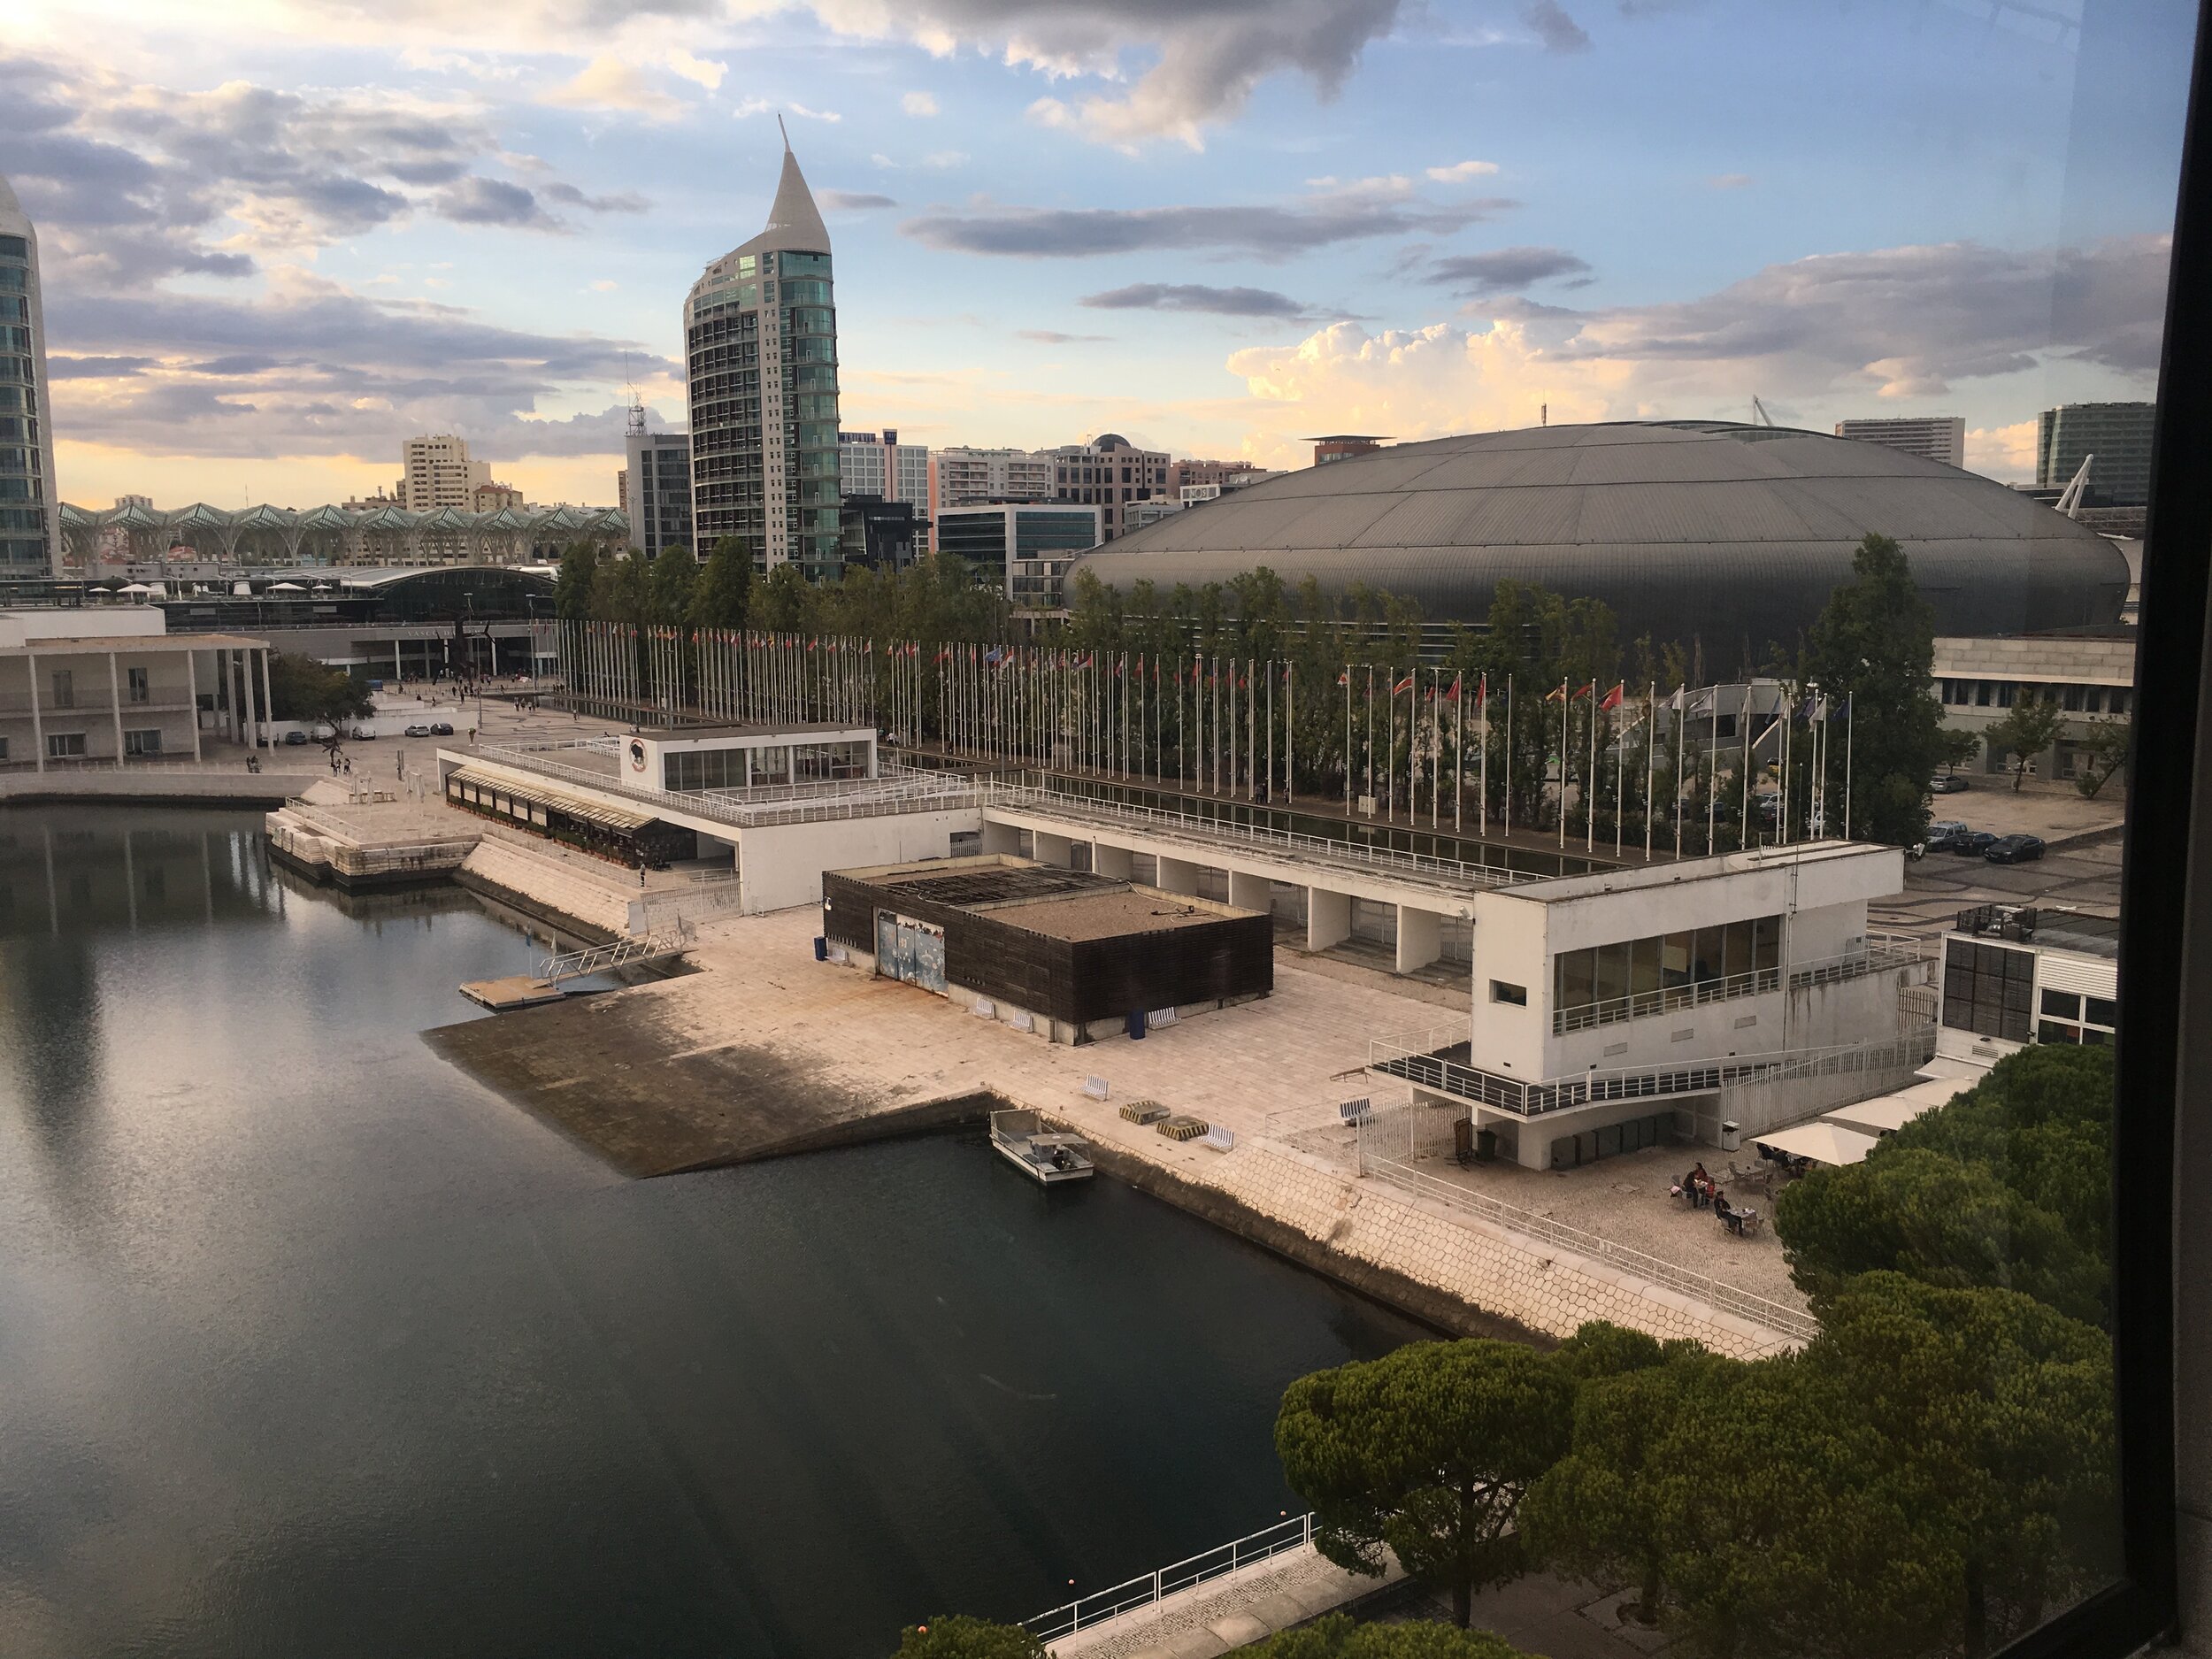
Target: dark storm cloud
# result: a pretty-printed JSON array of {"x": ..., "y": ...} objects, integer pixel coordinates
[
  {"x": 1504, "y": 269},
  {"x": 1192, "y": 296},
  {"x": 94, "y": 368},
  {"x": 480, "y": 201},
  {"x": 1054, "y": 337},
  {"x": 1559, "y": 31},
  {"x": 621, "y": 202}
]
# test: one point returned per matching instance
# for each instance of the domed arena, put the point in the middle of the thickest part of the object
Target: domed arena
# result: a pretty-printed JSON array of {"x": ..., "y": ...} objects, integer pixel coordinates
[{"x": 1729, "y": 534}]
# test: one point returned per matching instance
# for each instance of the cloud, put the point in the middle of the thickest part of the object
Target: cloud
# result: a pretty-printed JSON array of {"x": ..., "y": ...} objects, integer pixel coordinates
[
  {"x": 621, "y": 202},
  {"x": 1189, "y": 296},
  {"x": 1503, "y": 269},
  {"x": 1828, "y": 334},
  {"x": 2003, "y": 452},
  {"x": 330, "y": 372},
  {"x": 1554, "y": 29},
  {"x": 604, "y": 285},
  {"x": 94, "y": 368},
  {"x": 766, "y": 106},
  {"x": 476, "y": 201},
  {"x": 1340, "y": 214},
  {"x": 1053, "y": 337},
  {"x": 852, "y": 200},
  {"x": 705, "y": 71},
  {"x": 1729, "y": 181},
  {"x": 608, "y": 83},
  {"x": 1462, "y": 172},
  {"x": 918, "y": 103}
]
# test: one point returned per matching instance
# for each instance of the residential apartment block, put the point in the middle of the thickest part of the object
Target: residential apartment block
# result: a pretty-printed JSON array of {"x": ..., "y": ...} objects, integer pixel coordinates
[
  {"x": 1932, "y": 437},
  {"x": 656, "y": 492},
  {"x": 877, "y": 464},
  {"x": 437, "y": 473}
]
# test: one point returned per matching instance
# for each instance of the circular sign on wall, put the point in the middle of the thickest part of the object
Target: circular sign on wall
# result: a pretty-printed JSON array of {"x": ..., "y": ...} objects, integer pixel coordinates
[{"x": 637, "y": 756}]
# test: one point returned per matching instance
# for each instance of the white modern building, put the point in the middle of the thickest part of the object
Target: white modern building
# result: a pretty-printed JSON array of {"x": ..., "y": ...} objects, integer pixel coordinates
[
  {"x": 437, "y": 473},
  {"x": 1029, "y": 545},
  {"x": 877, "y": 464},
  {"x": 760, "y": 343},
  {"x": 963, "y": 476},
  {"x": 130, "y": 695},
  {"x": 2089, "y": 673},
  {"x": 2016, "y": 974},
  {"x": 656, "y": 491},
  {"x": 1931, "y": 437},
  {"x": 30, "y": 521},
  {"x": 1708, "y": 1001}
]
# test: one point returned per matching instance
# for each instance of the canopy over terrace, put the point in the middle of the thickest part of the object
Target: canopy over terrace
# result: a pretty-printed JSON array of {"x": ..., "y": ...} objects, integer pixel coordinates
[
  {"x": 135, "y": 533},
  {"x": 1822, "y": 1142}
]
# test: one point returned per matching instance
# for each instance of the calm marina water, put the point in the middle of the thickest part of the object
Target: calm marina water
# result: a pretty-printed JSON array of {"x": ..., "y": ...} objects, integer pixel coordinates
[{"x": 311, "y": 1345}]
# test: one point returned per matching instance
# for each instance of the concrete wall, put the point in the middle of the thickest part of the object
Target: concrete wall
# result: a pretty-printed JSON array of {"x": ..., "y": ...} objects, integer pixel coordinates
[{"x": 782, "y": 864}]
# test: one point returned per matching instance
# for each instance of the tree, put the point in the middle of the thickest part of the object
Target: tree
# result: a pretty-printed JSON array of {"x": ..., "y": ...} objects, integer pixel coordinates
[
  {"x": 959, "y": 1637},
  {"x": 2105, "y": 750},
  {"x": 1337, "y": 1637},
  {"x": 2031, "y": 728},
  {"x": 722, "y": 595},
  {"x": 1875, "y": 643},
  {"x": 1959, "y": 747},
  {"x": 1939, "y": 1219},
  {"x": 1425, "y": 1453},
  {"x": 1596, "y": 1513},
  {"x": 573, "y": 588},
  {"x": 302, "y": 689},
  {"x": 668, "y": 584}
]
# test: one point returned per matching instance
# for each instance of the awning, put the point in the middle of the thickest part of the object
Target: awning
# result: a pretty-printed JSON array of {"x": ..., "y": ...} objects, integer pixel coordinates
[
  {"x": 555, "y": 800},
  {"x": 1823, "y": 1143},
  {"x": 1888, "y": 1112}
]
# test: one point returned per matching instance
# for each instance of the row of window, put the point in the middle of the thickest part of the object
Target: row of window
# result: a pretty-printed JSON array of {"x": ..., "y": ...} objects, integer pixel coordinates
[
  {"x": 71, "y": 745},
  {"x": 1607, "y": 973},
  {"x": 138, "y": 687},
  {"x": 2001, "y": 694}
]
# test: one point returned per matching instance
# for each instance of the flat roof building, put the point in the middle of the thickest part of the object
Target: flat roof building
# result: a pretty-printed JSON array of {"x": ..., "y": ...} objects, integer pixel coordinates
[
  {"x": 1028, "y": 546},
  {"x": 114, "y": 689},
  {"x": 1070, "y": 954},
  {"x": 1931, "y": 437},
  {"x": 656, "y": 492}
]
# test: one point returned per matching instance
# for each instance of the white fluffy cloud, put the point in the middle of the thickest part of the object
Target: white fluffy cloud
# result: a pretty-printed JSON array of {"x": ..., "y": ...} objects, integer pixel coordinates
[
  {"x": 1462, "y": 172},
  {"x": 918, "y": 103},
  {"x": 608, "y": 83}
]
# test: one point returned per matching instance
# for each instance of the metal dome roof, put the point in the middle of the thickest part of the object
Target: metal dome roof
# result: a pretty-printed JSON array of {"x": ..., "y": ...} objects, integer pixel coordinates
[{"x": 1688, "y": 529}]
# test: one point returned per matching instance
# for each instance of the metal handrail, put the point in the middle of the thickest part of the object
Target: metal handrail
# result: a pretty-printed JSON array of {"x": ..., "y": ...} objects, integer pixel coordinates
[
  {"x": 1148, "y": 1589},
  {"x": 1319, "y": 847},
  {"x": 574, "y": 964},
  {"x": 815, "y": 805},
  {"x": 1640, "y": 1004},
  {"x": 1429, "y": 1069},
  {"x": 1880, "y": 951},
  {"x": 1773, "y": 1315}
]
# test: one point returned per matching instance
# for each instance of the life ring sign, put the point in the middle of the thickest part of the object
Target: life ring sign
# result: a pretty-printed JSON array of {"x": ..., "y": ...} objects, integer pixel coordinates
[{"x": 637, "y": 756}]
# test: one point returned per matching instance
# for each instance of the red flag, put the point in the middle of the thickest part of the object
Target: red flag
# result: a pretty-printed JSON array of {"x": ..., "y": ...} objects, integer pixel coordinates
[
  {"x": 1344, "y": 678},
  {"x": 1482, "y": 691},
  {"x": 1613, "y": 697},
  {"x": 1453, "y": 694},
  {"x": 1590, "y": 690},
  {"x": 1405, "y": 685}
]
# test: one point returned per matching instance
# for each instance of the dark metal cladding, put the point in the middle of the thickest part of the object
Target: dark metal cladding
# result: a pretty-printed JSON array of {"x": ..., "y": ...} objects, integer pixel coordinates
[{"x": 1688, "y": 529}]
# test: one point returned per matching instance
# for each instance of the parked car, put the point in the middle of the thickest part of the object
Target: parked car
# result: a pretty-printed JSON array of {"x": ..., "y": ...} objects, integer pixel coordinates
[
  {"x": 417, "y": 731},
  {"x": 1972, "y": 843},
  {"x": 440, "y": 728},
  {"x": 1948, "y": 783},
  {"x": 2014, "y": 850},
  {"x": 1942, "y": 832},
  {"x": 294, "y": 738},
  {"x": 364, "y": 734}
]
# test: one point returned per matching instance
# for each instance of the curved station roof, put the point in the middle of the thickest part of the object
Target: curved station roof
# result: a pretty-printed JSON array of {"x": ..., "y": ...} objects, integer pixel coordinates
[{"x": 1688, "y": 529}]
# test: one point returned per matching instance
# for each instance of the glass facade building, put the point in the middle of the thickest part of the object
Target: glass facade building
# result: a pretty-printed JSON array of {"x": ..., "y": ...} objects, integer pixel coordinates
[
  {"x": 30, "y": 540},
  {"x": 760, "y": 341}
]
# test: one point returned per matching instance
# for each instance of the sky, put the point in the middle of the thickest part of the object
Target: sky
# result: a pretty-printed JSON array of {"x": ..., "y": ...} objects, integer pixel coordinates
[{"x": 280, "y": 236}]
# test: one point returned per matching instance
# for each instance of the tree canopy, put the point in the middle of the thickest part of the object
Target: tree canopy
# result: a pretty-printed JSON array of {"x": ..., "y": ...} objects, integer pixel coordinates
[
  {"x": 1875, "y": 643},
  {"x": 957, "y": 1636},
  {"x": 301, "y": 688},
  {"x": 2024, "y": 733}
]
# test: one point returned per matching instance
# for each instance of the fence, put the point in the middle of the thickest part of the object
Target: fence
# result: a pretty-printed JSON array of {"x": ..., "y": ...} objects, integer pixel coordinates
[
  {"x": 1382, "y": 1129},
  {"x": 1151, "y": 1588},
  {"x": 1069, "y": 805},
  {"x": 902, "y": 791}
]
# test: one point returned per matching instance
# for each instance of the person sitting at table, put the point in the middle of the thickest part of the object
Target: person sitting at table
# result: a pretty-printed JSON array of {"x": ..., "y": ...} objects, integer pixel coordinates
[
  {"x": 1729, "y": 1218},
  {"x": 1701, "y": 1186}
]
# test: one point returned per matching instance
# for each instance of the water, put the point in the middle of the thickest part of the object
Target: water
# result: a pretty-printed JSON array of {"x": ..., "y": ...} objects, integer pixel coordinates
[{"x": 310, "y": 1345}]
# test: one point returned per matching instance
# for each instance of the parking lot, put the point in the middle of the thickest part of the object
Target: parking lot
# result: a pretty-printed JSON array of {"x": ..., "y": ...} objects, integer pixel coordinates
[{"x": 2081, "y": 871}]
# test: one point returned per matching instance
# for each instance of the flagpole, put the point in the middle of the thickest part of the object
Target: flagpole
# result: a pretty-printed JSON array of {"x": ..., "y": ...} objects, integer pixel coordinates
[
  {"x": 1590, "y": 781},
  {"x": 1483, "y": 703},
  {"x": 1850, "y": 721},
  {"x": 1566, "y": 707},
  {"x": 1507, "y": 828},
  {"x": 1743, "y": 832},
  {"x": 1348, "y": 739},
  {"x": 1459, "y": 749}
]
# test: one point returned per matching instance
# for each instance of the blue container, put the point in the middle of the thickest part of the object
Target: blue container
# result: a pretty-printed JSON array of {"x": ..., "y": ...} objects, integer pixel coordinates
[
  {"x": 821, "y": 949},
  {"x": 1136, "y": 1025}
]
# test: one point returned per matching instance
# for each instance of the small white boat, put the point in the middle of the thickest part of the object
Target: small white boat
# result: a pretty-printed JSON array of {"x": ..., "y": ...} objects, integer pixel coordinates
[{"x": 1043, "y": 1155}]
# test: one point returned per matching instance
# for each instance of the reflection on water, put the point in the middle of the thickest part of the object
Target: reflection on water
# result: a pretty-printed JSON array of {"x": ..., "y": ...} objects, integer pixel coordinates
[{"x": 310, "y": 1345}]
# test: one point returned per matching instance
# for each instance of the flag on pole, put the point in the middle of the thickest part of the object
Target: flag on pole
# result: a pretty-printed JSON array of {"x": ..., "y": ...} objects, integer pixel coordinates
[{"x": 1613, "y": 697}]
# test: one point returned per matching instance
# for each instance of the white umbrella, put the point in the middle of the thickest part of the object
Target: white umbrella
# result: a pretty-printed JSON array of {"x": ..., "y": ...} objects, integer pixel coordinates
[
  {"x": 285, "y": 588},
  {"x": 1823, "y": 1143}
]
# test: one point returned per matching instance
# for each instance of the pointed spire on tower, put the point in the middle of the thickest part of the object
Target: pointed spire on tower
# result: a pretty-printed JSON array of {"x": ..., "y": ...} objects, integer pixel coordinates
[
  {"x": 794, "y": 221},
  {"x": 781, "y": 128}
]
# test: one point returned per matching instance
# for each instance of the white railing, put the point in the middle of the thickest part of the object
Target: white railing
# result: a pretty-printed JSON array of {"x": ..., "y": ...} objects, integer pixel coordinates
[
  {"x": 1879, "y": 951},
  {"x": 1641, "y": 1004},
  {"x": 574, "y": 964},
  {"x": 1321, "y": 848},
  {"x": 1422, "y": 1061},
  {"x": 1152, "y": 1587},
  {"x": 1760, "y": 1311},
  {"x": 797, "y": 804}
]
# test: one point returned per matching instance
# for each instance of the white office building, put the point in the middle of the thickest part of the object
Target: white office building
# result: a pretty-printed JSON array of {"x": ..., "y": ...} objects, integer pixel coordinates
[
  {"x": 877, "y": 464},
  {"x": 437, "y": 471},
  {"x": 30, "y": 517},
  {"x": 760, "y": 341},
  {"x": 1932, "y": 437}
]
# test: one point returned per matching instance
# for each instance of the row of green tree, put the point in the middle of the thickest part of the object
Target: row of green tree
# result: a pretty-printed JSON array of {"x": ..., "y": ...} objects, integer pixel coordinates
[
  {"x": 1932, "y": 1476},
  {"x": 1869, "y": 652}
]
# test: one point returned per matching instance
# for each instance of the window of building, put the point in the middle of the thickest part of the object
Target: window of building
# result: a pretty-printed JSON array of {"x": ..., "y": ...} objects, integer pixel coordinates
[
  {"x": 1502, "y": 992},
  {"x": 65, "y": 745},
  {"x": 1640, "y": 976},
  {"x": 1988, "y": 989},
  {"x": 146, "y": 742},
  {"x": 141, "y": 690},
  {"x": 64, "y": 683}
]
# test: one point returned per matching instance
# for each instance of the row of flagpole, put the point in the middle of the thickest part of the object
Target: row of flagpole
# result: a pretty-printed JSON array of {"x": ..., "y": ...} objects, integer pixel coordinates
[{"x": 1229, "y": 726}]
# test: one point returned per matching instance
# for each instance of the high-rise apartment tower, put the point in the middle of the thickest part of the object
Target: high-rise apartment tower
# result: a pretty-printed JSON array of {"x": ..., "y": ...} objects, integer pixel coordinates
[
  {"x": 1934, "y": 437},
  {"x": 436, "y": 473},
  {"x": 30, "y": 511},
  {"x": 760, "y": 343}
]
